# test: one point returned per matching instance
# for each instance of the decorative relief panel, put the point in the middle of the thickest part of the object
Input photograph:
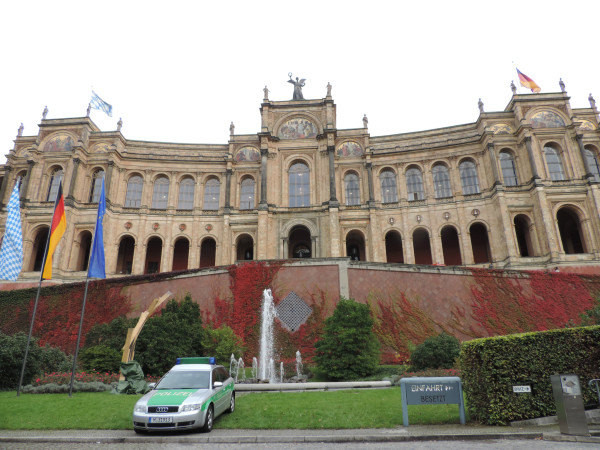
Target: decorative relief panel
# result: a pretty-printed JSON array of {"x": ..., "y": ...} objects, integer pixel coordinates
[
  {"x": 546, "y": 119},
  {"x": 349, "y": 149},
  {"x": 502, "y": 128},
  {"x": 586, "y": 125},
  {"x": 297, "y": 129},
  {"x": 62, "y": 143},
  {"x": 247, "y": 154}
]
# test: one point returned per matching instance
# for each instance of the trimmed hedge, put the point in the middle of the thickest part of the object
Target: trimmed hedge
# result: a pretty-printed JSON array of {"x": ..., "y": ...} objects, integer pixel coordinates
[{"x": 491, "y": 366}]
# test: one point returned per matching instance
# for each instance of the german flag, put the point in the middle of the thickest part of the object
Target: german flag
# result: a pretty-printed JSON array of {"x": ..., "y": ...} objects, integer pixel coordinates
[
  {"x": 528, "y": 82},
  {"x": 59, "y": 225}
]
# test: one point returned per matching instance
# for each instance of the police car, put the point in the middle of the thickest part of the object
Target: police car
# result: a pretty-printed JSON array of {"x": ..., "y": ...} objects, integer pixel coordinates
[{"x": 189, "y": 396}]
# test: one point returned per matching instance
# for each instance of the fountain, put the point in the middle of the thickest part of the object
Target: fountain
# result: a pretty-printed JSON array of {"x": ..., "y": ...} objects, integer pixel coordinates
[
  {"x": 233, "y": 367},
  {"x": 298, "y": 364},
  {"x": 266, "y": 365},
  {"x": 281, "y": 372},
  {"x": 254, "y": 368},
  {"x": 241, "y": 369}
]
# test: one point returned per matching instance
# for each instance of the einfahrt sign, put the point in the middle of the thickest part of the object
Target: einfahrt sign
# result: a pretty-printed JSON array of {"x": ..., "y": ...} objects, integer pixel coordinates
[{"x": 431, "y": 391}]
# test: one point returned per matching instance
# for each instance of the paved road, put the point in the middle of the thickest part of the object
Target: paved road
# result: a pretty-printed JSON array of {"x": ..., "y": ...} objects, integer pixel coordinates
[{"x": 450, "y": 445}]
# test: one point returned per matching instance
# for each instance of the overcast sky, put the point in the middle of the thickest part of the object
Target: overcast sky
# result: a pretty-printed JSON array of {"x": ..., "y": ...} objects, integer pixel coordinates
[{"x": 181, "y": 71}]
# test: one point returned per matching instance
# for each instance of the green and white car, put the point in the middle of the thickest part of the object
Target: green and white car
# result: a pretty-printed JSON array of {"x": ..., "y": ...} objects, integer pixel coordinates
[{"x": 189, "y": 396}]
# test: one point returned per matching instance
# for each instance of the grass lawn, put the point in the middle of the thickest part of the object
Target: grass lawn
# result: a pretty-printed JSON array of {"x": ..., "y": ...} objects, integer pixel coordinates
[{"x": 365, "y": 408}]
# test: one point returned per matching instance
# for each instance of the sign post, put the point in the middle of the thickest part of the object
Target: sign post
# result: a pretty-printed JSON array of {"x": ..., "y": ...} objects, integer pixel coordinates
[{"x": 432, "y": 391}]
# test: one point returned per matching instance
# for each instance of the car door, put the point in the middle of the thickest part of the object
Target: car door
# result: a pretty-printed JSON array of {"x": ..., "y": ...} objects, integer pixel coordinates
[{"x": 217, "y": 392}]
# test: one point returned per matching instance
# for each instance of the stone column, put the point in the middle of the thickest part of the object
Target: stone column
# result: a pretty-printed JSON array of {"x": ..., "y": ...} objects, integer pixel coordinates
[
  {"x": 108, "y": 178},
  {"x": 333, "y": 201},
  {"x": 532, "y": 163},
  {"x": 25, "y": 183},
  {"x": 4, "y": 185},
  {"x": 588, "y": 172},
  {"x": 73, "y": 182},
  {"x": 370, "y": 180},
  {"x": 263, "y": 179},
  {"x": 285, "y": 249},
  {"x": 313, "y": 247},
  {"x": 228, "y": 190},
  {"x": 494, "y": 163}
]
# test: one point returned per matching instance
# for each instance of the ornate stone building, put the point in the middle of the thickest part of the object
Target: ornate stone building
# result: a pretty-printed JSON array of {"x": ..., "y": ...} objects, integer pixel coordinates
[{"x": 518, "y": 188}]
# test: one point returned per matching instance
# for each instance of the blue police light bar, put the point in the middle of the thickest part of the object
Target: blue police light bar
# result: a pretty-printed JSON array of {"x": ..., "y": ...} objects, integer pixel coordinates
[{"x": 196, "y": 360}]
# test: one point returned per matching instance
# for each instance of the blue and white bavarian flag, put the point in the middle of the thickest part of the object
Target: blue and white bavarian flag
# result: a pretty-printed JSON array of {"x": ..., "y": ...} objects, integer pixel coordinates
[
  {"x": 11, "y": 252},
  {"x": 98, "y": 103}
]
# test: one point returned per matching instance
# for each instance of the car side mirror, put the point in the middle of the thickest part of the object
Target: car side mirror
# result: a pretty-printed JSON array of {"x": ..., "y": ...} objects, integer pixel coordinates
[
  {"x": 217, "y": 384},
  {"x": 151, "y": 385}
]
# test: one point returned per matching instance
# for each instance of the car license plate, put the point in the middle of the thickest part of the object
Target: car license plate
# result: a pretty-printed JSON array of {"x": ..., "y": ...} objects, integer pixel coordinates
[{"x": 160, "y": 420}]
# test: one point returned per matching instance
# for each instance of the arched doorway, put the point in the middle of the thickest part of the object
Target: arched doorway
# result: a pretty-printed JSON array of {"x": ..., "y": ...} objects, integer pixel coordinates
[
  {"x": 570, "y": 231},
  {"x": 480, "y": 243},
  {"x": 299, "y": 243},
  {"x": 422, "y": 246},
  {"x": 38, "y": 250},
  {"x": 125, "y": 255},
  {"x": 393, "y": 247},
  {"x": 522, "y": 225},
  {"x": 355, "y": 246},
  {"x": 181, "y": 253},
  {"x": 83, "y": 255},
  {"x": 153, "y": 255},
  {"x": 245, "y": 248},
  {"x": 208, "y": 252},
  {"x": 451, "y": 246}
]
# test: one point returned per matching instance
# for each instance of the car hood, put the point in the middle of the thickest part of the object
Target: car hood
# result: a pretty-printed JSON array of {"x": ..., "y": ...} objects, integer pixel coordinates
[{"x": 162, "y": 397}]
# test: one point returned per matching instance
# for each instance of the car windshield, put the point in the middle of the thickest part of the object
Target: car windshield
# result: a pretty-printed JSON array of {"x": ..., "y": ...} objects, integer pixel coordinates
[{"x": 185, "y": 380}]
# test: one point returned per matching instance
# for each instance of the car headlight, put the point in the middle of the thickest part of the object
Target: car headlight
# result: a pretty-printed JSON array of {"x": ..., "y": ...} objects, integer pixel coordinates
[
  {"x": 192, "y": 407},
  {"x": 140, "y": 408}
]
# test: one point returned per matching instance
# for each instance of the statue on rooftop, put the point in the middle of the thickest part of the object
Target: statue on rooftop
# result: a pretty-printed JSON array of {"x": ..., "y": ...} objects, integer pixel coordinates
[
  {"x": 513, "y": 88},
  {"x": 328, "y": 89},
  {"x": 20, "y": 130},
  {"x": 89, "y": 108},
  {"x": 562, "y": 85},
  {"x": 266, "y": 94},
  {"x": 480, "y": 105},
  {"x": 365, "y": 121},
  {"x": 592, "y": 101},
  {"x": 119, "y": 124},
  {"x": 231, "y": 128},
  {"x": 298, "y": 85},
  {"x": 44, "y": 113}
]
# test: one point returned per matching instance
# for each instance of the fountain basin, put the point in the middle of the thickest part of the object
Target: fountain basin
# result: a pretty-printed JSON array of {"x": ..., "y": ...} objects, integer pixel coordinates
[{"x": 324, "y": 386}]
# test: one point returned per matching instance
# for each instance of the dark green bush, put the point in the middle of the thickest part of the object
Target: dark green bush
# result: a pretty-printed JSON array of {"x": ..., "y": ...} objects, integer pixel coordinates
[
  {"x": 111, "y": 334},
  {"x": 222, "y": 343},
  {"x": 437, "y": 352},
  {"x": 348, "y": 349},
  {"x": 100, "y": 358},
  {"x": 491, "y": 366},
  {"x": 12, "y": 352},
  {"x": 176, "y": 332},
  {"x": 53, "y": 359}
]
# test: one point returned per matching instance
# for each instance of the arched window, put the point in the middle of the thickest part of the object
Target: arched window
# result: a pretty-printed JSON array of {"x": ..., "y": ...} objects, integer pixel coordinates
[
  {"x": 160, "y": 196},
  {"x": 55, "y": 179},
  {"x": 133, "y": 197},
  {"x": 352, "y": 189},
  {"x": 96, "y": 186},
  {"x": 555, "y": 167},
  {"x": 389, "y": 191},
  {"x": 414, "y": 184},
  {"x": 247, "y": 193},
  {"x": 20, "y": 177},
  {"x": 441, "y": 181},
  {"x": 592, "y": 161},
  {"x": 509, "y": 170},
  {"x": 299, "y": 185},
  {"x": 186, "y": 194},
  {"x": 468, "y": 177},
  {"x": 212, "y": 188}
]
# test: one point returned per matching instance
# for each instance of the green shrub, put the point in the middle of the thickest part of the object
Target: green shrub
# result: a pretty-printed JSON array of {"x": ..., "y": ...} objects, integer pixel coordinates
[
  {"x": 111, "y": 334},
  {"x": 491, "y": 366},
  {"x": 78, "y": 386},
  {"x": 437, "y": 352},
  {"x": 348, "y": 349},
  {"x": 222, "y": 343},
  {"x": 53, "y": 359},
  {"x": 100, "y": 358},
  {"x": 176, "y": 332},
  {"x": 12, "y": 352}
]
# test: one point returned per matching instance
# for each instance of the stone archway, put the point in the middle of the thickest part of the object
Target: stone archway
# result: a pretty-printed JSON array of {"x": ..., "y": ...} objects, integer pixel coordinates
[
  {"x": 422, "y": 247},
  {"x": 244, "y": 248},
  {"x": 125, "y": 255},
  {"x": 480, "y": 243},
  {"x": 181, "y": 253},
  {"x": 83, "y": 255},
  {"x": 451, "y": 246},
  {"x": 522, "y": 227},
  {"x": 393, "y": 247},
  {"x": 208, "y": 252},
  {"x": 38, "y": 250},
  {"x": 153, "y": 255},
  {"x": 300, "y": 243},
  {"x": 571, "y": 233},
  {"x": 355, "y": 246}
]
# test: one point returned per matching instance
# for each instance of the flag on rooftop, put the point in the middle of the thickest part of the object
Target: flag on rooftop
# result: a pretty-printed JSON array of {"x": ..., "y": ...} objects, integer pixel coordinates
[
  {"x": 96, "y": 268},
  {"x": 98, "y": 103},
  {"x": 57, "y": 229},
  {"x": 528, "y": 82},
  {"x": 11, "y": 250}
]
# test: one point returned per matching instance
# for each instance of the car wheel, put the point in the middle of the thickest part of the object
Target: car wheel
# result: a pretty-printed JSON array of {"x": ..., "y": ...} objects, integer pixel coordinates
[
  {"x": 208, "y": 422},
  {"x": 231, "y": 403}
]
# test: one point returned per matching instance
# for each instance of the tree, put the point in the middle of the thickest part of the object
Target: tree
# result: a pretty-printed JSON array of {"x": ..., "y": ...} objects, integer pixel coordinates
[
  {"x": 176, "y": 332},
  {"x": 348, "y": 349},
  {"x": 222, "y": 343},
  {"x": 437, "y": 352}
]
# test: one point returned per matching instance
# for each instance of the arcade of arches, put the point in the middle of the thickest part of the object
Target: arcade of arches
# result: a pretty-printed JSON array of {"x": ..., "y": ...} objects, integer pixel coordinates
[{"x": 517, "y": 188}]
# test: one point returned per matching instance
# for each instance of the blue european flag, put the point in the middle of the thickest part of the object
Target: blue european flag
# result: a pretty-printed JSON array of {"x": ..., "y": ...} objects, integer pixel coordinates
[
  {"x": 11, "y": 250},
  {"x": 97, "y": 265}
]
